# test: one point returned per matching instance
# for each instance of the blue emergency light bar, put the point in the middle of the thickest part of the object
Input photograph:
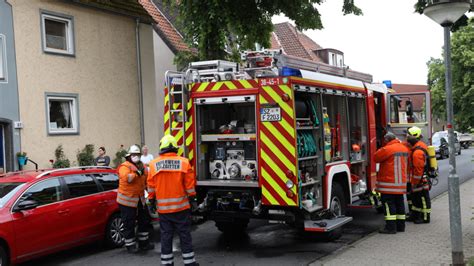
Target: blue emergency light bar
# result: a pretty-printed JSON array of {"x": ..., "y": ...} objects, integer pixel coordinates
[
  {"x": 387, "y": 83},
  {"x": 290, "y": 72}
]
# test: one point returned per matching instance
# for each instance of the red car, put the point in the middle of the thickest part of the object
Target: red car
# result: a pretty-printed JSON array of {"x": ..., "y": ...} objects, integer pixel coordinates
[{"x": 46, "y": 211}]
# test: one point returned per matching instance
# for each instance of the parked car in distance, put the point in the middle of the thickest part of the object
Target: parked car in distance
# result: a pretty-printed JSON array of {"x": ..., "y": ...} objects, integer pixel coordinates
[
  {"x": 444, "y": 134},
  {"x": 46, "y": 211},
  {"x": 441, "y": 147},
  {"x": 465, "y": 139}
]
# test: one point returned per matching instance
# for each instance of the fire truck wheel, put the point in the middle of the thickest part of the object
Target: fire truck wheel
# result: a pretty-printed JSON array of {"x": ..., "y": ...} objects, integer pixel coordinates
[
  {"x": 338, "y": 202},
  {"x": 234, "y": 227},
  {"x": 338, "y": 208}
]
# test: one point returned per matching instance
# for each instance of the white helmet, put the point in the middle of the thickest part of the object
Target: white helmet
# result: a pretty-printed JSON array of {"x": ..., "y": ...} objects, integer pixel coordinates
[{"x": 133, "y": 149}]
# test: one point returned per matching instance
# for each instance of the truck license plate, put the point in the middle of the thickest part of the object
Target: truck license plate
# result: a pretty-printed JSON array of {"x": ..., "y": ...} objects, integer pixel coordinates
[{"x": 269, "y": 114}]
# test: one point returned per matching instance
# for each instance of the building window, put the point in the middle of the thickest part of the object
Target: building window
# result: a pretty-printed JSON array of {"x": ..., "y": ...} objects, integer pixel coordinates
[
  {"x": 57, "y": 33},
  {"x": 3, "y": 61},
  {"x": 62, "y": 114}
]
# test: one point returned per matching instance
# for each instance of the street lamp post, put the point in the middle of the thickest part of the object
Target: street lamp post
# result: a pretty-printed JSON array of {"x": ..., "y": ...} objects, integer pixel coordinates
[{"x": 445, "y": 13}]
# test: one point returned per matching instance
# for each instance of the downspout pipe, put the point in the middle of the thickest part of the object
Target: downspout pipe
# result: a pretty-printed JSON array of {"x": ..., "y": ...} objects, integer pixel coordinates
[{"x": 140, "y": 83}]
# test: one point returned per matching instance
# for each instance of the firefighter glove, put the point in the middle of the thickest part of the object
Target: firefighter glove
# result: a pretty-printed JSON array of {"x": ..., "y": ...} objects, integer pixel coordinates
[{"x": 152, "y": 205}]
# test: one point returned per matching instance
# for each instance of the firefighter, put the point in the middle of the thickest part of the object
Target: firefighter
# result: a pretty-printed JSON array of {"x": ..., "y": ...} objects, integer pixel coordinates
[
  {"x": 421, "y": 208},
  {"x": 131, "y": 200},
  {"x": 391, "y": 182},
  {"x": 171, "y": 187}
]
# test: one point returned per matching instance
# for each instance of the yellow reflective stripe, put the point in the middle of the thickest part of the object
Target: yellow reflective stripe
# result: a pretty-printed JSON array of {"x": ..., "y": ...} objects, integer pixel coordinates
[
  {"x": 289, "y": 128},
  {"x": 189, "y": 139},
  {"x": 286, "y": 89},
  {"x": 230, "y": 85},
  {"x": 390, "y": 218},
  {"x": 424, "y": 209},
  {"x": 203, "y": 86},
  {"x": 269, "y": 143},
  {"x": 277, "y": 187},
  {"x": 217, "y": 86},
  {"x": 289, "y": 146},
  {"x": 245, "y": 84},
  {"x": 387, "y": 209},
  {"x": 274, "y": 167},
  {"x": 401, "y": 217},
  {"x": 269, "y": 196},
  {"x": 275, "y": 97}
]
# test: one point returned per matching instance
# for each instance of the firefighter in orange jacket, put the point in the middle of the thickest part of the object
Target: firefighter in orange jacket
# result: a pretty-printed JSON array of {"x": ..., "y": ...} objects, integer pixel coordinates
[
  {"x": 171, "y": 184},
  {"x": 131, "y": 200},
  {"x": 421, "y": 208},
  {"x": 391, "y": 182}
]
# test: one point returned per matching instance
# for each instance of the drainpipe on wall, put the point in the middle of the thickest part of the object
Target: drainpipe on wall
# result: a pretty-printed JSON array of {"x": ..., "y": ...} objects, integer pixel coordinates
[{"x": 140, "y": 83}]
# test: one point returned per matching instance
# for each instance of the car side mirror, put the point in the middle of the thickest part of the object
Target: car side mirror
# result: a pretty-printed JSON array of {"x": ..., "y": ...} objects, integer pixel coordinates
[{"x": 26, "y": 205}]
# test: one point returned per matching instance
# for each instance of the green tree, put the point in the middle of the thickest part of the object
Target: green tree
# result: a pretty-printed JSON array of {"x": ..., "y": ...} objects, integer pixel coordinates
[
  {"x": 462, "y": 60},
  {"x": 218, "y": 29}
]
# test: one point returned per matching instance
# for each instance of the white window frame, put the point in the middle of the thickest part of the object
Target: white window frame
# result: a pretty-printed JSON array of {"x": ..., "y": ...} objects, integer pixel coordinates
[
  {"x": 74, "y": 114},
  {"x": 69, "y": 20},
  {"x": 3, "y": 59}
]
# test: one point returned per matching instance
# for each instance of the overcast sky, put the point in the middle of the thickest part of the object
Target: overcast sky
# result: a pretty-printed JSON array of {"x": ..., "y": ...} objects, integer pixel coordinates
[{"x": 389, "y": 41}]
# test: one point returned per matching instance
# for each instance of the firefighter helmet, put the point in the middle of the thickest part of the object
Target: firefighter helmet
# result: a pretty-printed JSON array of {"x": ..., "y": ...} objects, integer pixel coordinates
[
  {"x": 134, "y": 149},
  {"x": 167, "y": 142},
  {"x": 415, "y": 132}
]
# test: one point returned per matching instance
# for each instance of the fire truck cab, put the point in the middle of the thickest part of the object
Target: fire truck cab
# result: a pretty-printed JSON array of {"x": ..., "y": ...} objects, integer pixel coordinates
[{"x": 277, "y": 139}]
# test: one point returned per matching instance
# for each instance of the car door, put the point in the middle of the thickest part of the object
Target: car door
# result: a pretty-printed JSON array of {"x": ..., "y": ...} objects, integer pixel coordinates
[
  {"x": 42, "y": 229},
  {"x": 109, "y": 184},
  {"x": 86, "y": 206}
]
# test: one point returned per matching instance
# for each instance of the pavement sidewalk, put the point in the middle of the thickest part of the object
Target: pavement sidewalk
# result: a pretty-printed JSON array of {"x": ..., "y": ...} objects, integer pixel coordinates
[{"x": 420, "y": 244}]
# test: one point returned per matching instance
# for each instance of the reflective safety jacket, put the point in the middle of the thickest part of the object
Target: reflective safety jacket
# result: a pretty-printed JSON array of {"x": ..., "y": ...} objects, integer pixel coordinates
[
  {"x": 392, "y": 176},
  {"x": 171, "y": 180},
  {"x": 417, "y": 167},
  {"x": 131, "y": 185}
]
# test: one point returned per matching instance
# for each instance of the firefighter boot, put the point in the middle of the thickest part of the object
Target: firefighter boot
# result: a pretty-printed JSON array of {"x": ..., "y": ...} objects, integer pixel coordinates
[
  {"x": 146, "y": 245},
  {"x": 386, "y": 231},
  {"x": 423, "y": 220},
  {"x": 132, "y": 249}
]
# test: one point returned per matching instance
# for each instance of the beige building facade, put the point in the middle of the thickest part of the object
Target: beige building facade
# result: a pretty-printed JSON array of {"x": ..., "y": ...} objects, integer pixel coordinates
[{"x": 80, "y": 81}]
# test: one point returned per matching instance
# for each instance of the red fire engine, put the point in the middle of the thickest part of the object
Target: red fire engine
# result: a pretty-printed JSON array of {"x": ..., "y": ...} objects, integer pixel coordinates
[{"x": 279, "y": 139}]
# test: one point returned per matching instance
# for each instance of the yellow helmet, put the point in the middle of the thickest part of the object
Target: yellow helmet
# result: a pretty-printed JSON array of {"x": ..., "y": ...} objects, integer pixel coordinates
[
  {"x": 168, "y": 141},
  {"x": 414, "y": 131}
]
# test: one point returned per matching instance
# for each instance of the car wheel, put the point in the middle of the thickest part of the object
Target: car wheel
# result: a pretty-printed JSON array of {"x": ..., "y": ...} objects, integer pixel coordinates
[
  {"x": 114, "y": 232},
  {"x": 4, "y": 260}
]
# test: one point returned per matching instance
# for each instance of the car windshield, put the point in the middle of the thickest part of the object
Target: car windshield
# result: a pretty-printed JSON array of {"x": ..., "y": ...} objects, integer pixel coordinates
[{"x": 7, "y": 190}]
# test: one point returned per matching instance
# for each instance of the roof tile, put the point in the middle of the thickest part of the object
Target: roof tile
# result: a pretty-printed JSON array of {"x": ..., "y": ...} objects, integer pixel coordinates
[{"x": 165, "y": 28}]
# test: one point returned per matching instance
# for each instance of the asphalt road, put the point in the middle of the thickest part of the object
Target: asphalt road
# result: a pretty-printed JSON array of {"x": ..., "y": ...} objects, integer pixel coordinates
[{"x": 264, "y": 244}]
